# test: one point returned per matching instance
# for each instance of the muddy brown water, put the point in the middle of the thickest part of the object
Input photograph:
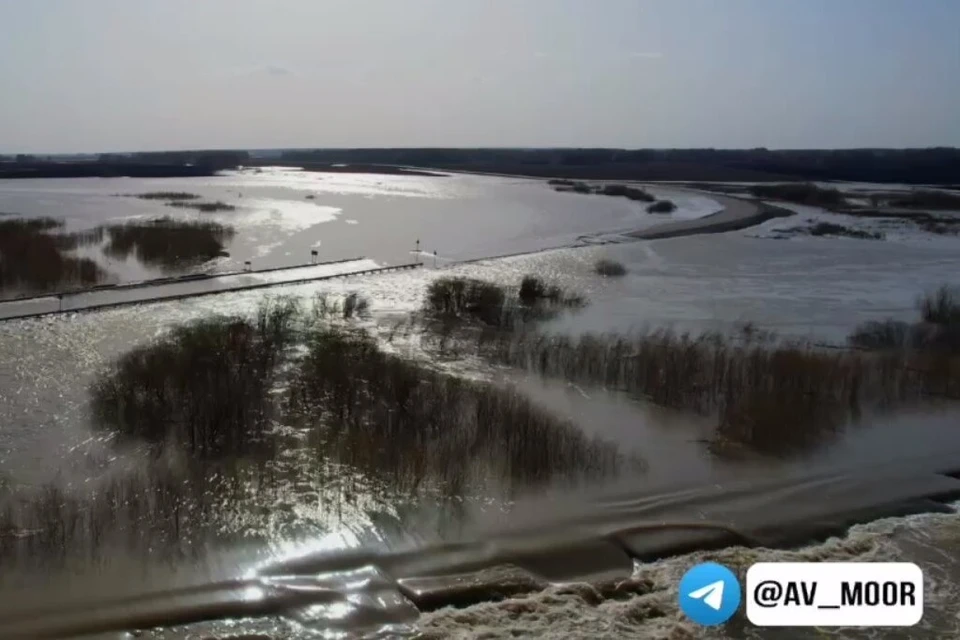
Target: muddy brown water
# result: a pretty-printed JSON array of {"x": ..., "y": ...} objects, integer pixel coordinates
[{"x": 263, "y": 563}]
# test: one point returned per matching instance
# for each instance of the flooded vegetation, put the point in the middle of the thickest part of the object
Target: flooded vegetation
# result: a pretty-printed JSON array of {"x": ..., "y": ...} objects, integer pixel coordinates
[
  {"x": 173, "y": 509},
  {"x": 36, "y": 253},
  {"x": 943, "y": 224},
  {"x": 450, "y": 299},
  {"x": 662, "y": 206},
  {"x": 205, "y": 387},
  {"x": 941, "y": 307},
  {"x": 773, "y": 399},
  {"x": 203, "y": 207},
  {"x": 937, "y": 331},
  {"x": 771, "y": 395},
  {"x": 615, "y": 190},
  {"x": 401, "y": 421},
  {"x": 607, "y": 267},
  {"x": 805, "y": 193},
  {"x": 834, "y": 230},
  {"x": 185, "y": 200},
  {"x": 831, "y": 229},
  {"x": 167, "y": 243},
  {"x": 167, "y": 195},
  {"x": 624, "y": 191},
  {"x": 353, "y": 305},
  {"x": 301, "y": 421},
  {"x": 925, "y": 199},
  {"x": 227, "y": 414},
  {"x": 34, "y": 257},
  {"x": 295, "y": 421}
]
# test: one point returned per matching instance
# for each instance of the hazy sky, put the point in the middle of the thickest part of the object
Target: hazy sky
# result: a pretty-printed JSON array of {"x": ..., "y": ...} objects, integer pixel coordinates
[{"x": 101, "y": 75}]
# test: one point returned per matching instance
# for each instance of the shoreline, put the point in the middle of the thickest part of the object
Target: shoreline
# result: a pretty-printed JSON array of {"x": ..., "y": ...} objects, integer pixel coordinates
[
  {"x": 736, "y": 214},
  {"x": 733, "y": 214}
]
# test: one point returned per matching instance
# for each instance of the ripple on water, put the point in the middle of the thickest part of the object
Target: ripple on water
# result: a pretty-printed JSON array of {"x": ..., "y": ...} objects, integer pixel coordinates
[{"x": 46, "y": 366}]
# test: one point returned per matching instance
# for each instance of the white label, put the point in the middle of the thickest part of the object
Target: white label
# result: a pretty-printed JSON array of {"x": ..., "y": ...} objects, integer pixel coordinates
[{"x": 834, "y": 594}]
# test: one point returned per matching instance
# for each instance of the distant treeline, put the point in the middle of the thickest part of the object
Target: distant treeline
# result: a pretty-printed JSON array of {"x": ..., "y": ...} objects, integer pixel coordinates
[
  {"x": 215, "y": 159},
  {"x": 164, "y": 164},
  {"x": 937, "y": 165},
  {"x": 940, "y": 165}
]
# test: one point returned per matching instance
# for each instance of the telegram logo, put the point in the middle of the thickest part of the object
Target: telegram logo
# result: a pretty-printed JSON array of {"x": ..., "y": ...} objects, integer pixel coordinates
[{"x": 709, "y": 594}]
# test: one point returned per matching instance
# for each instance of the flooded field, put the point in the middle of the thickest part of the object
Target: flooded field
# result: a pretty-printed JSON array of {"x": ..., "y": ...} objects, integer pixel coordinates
[
  {"x": 325, "y": 422},
  {"x": 132, "y": 229}
]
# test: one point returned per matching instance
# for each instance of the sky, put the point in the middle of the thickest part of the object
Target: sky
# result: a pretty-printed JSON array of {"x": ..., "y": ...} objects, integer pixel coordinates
[{"x": 123, "y": 75}]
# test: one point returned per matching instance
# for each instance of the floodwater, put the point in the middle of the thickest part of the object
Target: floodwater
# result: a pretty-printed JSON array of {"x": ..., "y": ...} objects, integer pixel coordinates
[
  {"x": 817, "y": 288},
  {"x": 282, "y": 215}
]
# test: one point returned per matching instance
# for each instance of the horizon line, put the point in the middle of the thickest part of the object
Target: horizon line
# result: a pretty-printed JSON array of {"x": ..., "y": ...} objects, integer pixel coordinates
[{"x": 14, "y": 154}]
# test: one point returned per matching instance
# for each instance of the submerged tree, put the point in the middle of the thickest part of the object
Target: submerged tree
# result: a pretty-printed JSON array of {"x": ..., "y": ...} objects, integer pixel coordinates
[{"x": 204, "y": 387}]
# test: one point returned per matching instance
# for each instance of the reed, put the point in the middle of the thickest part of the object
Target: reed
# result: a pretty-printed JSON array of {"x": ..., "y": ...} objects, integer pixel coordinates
[
  {"x": 775, "y": 398},
  {"x": 167, "y": 243},
  {"x": 167, "y": 195},
  {"x": 395, "y": 418},
  {"x": 203, "y": 207},
  {"x": 34, "y": 258}
]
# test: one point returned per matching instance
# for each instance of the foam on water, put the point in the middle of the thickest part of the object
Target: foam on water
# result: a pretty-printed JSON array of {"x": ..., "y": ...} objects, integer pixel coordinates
[
  {"x": 285, "y": 215},
  {"x": 645, "y": 604},
  {"x": 648, "y": 608}
]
